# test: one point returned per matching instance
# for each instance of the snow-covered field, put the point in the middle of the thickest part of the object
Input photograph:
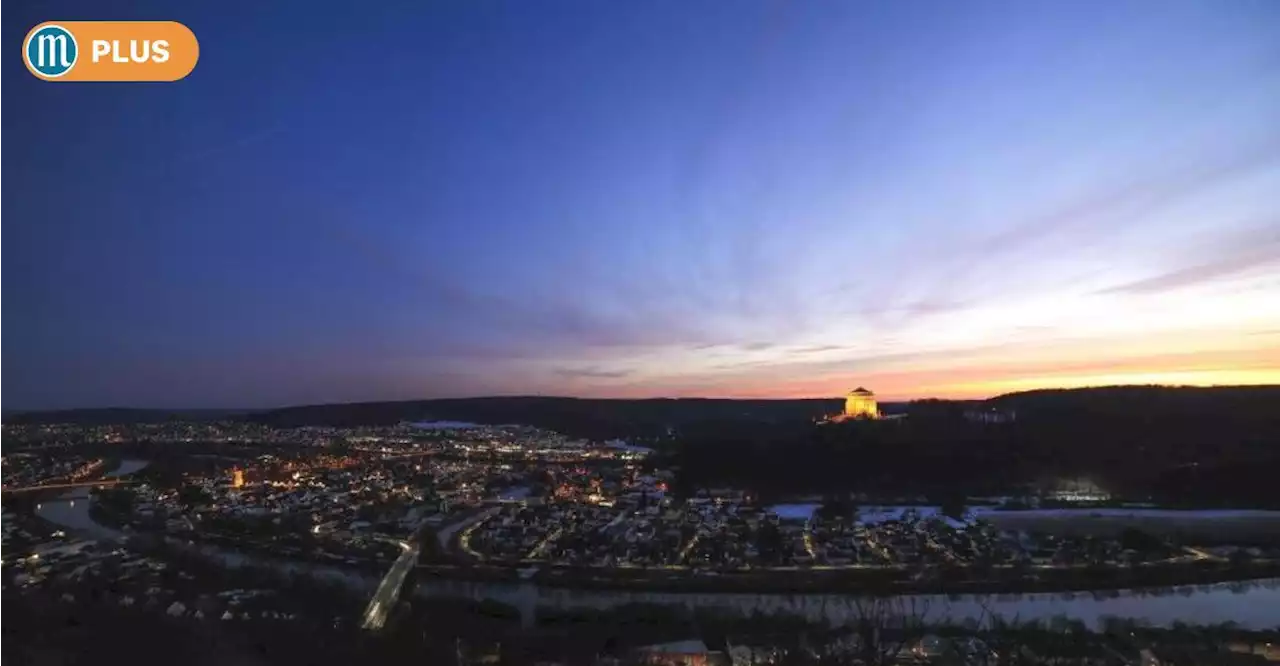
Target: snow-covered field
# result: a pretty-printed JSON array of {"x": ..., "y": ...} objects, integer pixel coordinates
[
  {"x": 867, "y": 515},
  {"x": 1220, "y": 522},
  {"x": 623, "y": 446},
  {"x": 794, "y": 511},
  {"x": 444, "y": 425}
]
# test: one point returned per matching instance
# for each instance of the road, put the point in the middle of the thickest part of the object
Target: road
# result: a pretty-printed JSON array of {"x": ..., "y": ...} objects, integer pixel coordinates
[
  {"x": 398, "y": 456},
  {"x": 388, "y": 592},
  {"x": 542, "y": 546},
  {"x": 467, "y": 526},
  {"x": 64, "y": 486},
  {"x": 1198, "y": 554}
]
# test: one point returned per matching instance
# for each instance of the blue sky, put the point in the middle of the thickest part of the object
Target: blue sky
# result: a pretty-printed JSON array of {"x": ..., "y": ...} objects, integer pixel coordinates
[{"x": 355, "y": 202}]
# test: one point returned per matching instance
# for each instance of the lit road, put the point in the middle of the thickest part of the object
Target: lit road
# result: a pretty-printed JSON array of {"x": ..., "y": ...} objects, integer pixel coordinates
[
  {"x": 688, "y": 548},
  {"x": 1198, "y": 554},
  {"x": 398, "y": 456},
  {"x": 63, "y": 486},
  {"x": 542, "y": 546},
  {"x": 388, "y": 592},
  {"x": 467, "y": 527}
]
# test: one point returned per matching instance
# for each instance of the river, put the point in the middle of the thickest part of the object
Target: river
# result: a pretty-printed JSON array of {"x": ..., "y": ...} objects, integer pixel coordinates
[
  {"x": 71, "y": 510},
  {"x": 1252, "y": 604}
]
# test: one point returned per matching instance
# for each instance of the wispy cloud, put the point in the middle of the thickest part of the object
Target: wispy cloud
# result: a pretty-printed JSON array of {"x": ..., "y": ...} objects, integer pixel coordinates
[
  {"x": 1148, "y": 191},
  {"x": 818, "y": 349},
  {"x": 591, "y": 373},
  {"x": 969, "y": 266},
  {"x": 512, "y": 321},
  {"x": 1256, "y": 249}
]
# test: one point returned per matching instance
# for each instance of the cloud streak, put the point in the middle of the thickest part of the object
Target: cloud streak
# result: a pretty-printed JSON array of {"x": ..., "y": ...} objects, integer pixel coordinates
[{"x": 1258, "y": 250}]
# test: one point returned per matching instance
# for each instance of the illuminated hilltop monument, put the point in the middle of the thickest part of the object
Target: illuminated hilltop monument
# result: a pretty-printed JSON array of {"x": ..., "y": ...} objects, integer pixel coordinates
[{"x": 860, "y": 404}]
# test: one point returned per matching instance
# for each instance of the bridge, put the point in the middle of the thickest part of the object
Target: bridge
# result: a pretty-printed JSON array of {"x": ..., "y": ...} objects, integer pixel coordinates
[
  {"x": 69, "y": 485},
  {"x": 388, "y": 592}
]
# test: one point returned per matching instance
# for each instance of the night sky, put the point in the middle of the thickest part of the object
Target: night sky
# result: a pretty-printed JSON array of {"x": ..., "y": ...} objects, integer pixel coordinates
[{"x": 390, "y": 200}]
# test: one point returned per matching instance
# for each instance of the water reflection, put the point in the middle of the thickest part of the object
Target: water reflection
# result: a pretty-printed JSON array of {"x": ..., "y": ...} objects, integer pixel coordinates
[{"x": 127, "y": 467}]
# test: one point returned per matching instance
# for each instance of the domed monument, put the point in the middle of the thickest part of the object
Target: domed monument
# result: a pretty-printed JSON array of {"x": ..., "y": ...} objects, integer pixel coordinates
[{"x": 860, "y": 404}]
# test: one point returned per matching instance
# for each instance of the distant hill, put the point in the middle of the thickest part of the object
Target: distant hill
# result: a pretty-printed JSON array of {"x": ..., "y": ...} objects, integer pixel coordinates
[
  {"x": 652, "y": 417},
  {"x": 1146, "y": 402},
  {"x": 1127, "y": 402},
  {"x": 575, "y": 416},
  {"x": 122, "y": 415}
]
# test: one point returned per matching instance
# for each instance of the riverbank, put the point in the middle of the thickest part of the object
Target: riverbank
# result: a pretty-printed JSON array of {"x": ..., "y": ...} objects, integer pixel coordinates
[
  {"x": 1253, "y": 603},
  {"x": 862, "y": 582},
  {"x": 1198, "y": 569},
  {"x": 877, "y": 582}
]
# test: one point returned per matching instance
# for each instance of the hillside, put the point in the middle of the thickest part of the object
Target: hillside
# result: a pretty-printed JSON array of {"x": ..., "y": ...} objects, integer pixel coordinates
[
  {"x": 1129, "y": 402},
  {"x": 1208, "y": 408},
  {"x": 575, "y": 416},
  {"x": 1179, "y": 445}
]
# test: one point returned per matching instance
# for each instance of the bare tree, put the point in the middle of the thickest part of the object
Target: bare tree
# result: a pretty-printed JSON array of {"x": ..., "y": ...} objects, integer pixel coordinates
[
  {"x": 884, "y": 626},
  {"x": 1002, "y": 644}
]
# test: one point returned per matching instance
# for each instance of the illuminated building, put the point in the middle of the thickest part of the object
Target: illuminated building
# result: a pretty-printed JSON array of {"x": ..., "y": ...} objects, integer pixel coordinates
[
  {"x": 237, "y": 478},
  {"x": 1077, "y": 490},
  {"x": 860, "y": 404}
]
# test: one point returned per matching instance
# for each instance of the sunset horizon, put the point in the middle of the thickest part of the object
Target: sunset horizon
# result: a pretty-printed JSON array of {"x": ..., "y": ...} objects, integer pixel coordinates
[
  {"x": 608, "y": 333},
  {"x": 619, "y": 201}
]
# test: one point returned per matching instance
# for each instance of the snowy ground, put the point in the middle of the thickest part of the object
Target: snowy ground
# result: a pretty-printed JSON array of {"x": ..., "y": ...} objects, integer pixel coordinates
[
  {"x": 794, "y": 511},
  {"x": 444, "y": 425},
  {"x": 874, "y": 514},
  {"x": 623, "y": 446},
  {"x": 867, "y": 515}
]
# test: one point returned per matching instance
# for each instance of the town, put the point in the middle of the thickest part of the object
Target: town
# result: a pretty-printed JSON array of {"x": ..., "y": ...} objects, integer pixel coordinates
[
  {"x": 243, "y": 524},
  {"x": 519, "y": 496}
]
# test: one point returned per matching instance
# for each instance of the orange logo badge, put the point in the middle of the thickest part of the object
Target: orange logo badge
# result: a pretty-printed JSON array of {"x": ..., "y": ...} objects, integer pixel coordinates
[{"x": 110, "y": 51}]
